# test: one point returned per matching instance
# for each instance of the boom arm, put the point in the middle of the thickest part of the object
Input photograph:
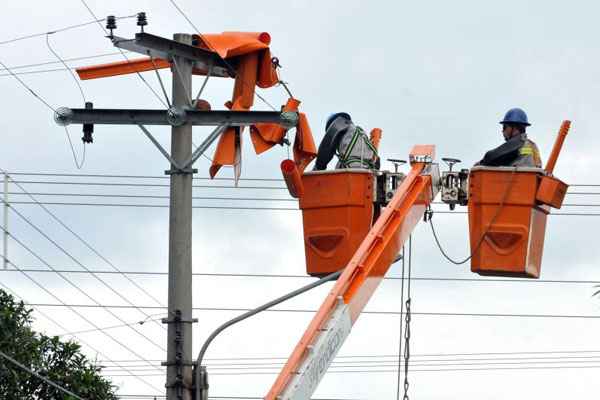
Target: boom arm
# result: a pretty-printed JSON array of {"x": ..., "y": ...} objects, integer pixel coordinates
[{"x": 332, "y": 323}]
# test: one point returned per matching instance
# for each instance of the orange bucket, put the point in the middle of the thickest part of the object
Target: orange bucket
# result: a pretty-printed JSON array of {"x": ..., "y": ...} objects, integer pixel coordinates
[
  {"x": 506, "y": 223},
  {"x": 337, "y": 213}
]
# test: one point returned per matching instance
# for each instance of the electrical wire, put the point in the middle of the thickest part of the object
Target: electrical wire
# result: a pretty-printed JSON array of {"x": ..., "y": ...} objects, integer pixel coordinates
[
  {"x": 395, "y": 356},
  {"x": 123, "y": 53},
  {"x": 83, "y": 292},
  {"x": 138, "y": 176},
  {"x": 116, "y": 195},
  {"x": 41, "y": 64},
  {"x": 41, "y": 99},
  {"x": 67, "y": 28},
  {"x": 72, "y": 333},
  {"x": 32, "y": 372},
  {"x": 28, "y": 88},
  {"x": 116, "y": 364},
  {"x": 134, "y": 196},
  {"x": 37, "y": 269},
  {"x": 572, "y": 214},
  {"x": 66, "y": 67},
  {"x": 84, "y": 242},
  {"x": 184, "y": 15},
  {"x": 388, "y": 363},
  {"x": 82, "y": 316},
  {"x": 146, "y": 185},
  {"x": 394, "y": 370},
  {"x": 374, "y": 312}
]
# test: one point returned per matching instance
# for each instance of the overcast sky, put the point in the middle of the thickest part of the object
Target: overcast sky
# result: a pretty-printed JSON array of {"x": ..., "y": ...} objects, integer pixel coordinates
[{"x": 424, "y": 72}]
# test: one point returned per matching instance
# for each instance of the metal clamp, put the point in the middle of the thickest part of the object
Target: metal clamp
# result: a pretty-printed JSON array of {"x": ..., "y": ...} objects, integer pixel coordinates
[{"x": 178, "y": 320}]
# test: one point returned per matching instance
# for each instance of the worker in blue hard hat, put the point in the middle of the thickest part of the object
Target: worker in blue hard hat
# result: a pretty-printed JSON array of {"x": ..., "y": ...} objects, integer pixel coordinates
[
  {"x": 519, "y": 150},
  {"x": 349, "y": 141}
]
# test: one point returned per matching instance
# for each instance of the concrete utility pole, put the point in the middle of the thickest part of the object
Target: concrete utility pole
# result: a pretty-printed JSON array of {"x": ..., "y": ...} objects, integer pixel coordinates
[
  {"x": 179, "y": 319},
  {"x": 181, "y": 116}
]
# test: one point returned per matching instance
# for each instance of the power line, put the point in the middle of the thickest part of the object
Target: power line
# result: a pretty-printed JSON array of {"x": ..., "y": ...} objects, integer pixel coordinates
[
  {"x": 72, "y": 333},
  {"x": 299, "y": 310},
  {"x": 123, "y": 53},
  {"x": 395, "y": 370},
  {"x": 121, "y": 176},
  {"x": 85, "y": 243},
  {"x": 156, "y": 206},
  {"x": 79, "y": 58},
  {"x": 28, "y": 88},
  {"x": 132, "y": 205},
  {"x": 70, "y": 307},
  {"x": 144, "y": 185},
  {"x": 394, "y": 363},
  {"x": 394, "y": 356},
  {"x": 136, "y": 196},
  {"x": 337, "y": 367},
  {"x": 64, "y": 29},
  {"x": 141, "y": 196},
  {"x": 292, "y": 276},
  {"x": 66, "y": 279},
  {"x": 138, "y": 176},
  {"x": 32, "y": 372},
  {"x": 79, "y": 340}
]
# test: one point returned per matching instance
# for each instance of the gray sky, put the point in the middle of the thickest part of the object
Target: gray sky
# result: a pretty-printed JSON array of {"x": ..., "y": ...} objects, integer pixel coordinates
[{"x": 424, "y": 72}]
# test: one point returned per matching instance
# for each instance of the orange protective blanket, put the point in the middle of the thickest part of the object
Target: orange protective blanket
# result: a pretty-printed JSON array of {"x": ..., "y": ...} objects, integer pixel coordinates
[{"x": 228, "y": 45}]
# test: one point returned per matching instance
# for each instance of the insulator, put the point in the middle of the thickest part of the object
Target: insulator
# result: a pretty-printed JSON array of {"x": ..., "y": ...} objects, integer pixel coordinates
[
  {"x": 111, "y": 22},
  {"x": 142, "y": 20}
]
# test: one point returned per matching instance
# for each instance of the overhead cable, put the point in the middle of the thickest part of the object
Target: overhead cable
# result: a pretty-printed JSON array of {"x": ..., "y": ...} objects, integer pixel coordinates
[
  {"x": 76, "y": 287},
  {"x": 85, "y": 242},
  {"x": 62, "y": 303},
  {"x": 300, "y": 310},
  {"x": 123, "y": 53},
  {"x": 294, "y": 276},
  {"x": 106, "y": 359}
]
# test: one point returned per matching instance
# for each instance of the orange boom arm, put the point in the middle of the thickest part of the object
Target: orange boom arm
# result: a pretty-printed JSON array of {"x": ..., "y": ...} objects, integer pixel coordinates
[{"x": 333, "y": 321}]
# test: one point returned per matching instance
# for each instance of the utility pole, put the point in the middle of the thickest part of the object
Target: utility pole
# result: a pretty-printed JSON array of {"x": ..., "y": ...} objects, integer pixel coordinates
[
  {"x": 179, "y": 319},
  {"x": 184, "y": 57}
]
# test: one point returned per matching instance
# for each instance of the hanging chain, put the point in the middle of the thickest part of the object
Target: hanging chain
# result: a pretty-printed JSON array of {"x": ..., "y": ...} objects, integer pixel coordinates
[
  {"x": 407, "y": 321},
  {"x": 401, "y": 323}
]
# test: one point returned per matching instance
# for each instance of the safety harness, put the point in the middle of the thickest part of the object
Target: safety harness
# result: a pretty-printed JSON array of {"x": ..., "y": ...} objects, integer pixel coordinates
[{"x": 346, "y": 159}]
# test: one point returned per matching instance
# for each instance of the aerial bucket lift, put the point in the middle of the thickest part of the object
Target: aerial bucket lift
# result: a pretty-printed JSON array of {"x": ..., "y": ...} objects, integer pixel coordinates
[{"x": 508, "y": 208}]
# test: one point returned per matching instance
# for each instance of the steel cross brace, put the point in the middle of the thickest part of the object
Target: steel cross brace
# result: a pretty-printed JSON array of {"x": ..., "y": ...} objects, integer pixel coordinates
[{"x": 186, "y": 168}]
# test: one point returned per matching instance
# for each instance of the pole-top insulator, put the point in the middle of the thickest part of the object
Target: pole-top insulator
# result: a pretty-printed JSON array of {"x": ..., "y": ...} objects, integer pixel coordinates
[
  {"x": 142, "y": 20},
  {"x": 111, "y": 22}
]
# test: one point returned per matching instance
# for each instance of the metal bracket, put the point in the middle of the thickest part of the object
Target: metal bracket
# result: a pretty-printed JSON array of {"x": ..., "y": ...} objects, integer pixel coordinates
[
  {"x": 159, "y": 47},
  {"x": 178, "y": 320},
  {"x": 181, "y": 171},
  {"x": 167, "y": 363}
]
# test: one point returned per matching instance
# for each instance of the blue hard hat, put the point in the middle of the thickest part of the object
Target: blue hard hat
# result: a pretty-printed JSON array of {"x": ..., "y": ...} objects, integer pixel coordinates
[
  {"x": 515, "y": 116},
  {"x": 332, "y": 118}
]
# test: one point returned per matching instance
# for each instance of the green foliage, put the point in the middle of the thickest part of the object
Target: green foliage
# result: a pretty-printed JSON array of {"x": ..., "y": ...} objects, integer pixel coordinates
[{"x": 61, "y": 362}]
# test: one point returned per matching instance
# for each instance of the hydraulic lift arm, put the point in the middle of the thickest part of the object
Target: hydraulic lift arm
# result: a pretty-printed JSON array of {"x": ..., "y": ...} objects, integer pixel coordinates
[{"x": 333, "y": 321}]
